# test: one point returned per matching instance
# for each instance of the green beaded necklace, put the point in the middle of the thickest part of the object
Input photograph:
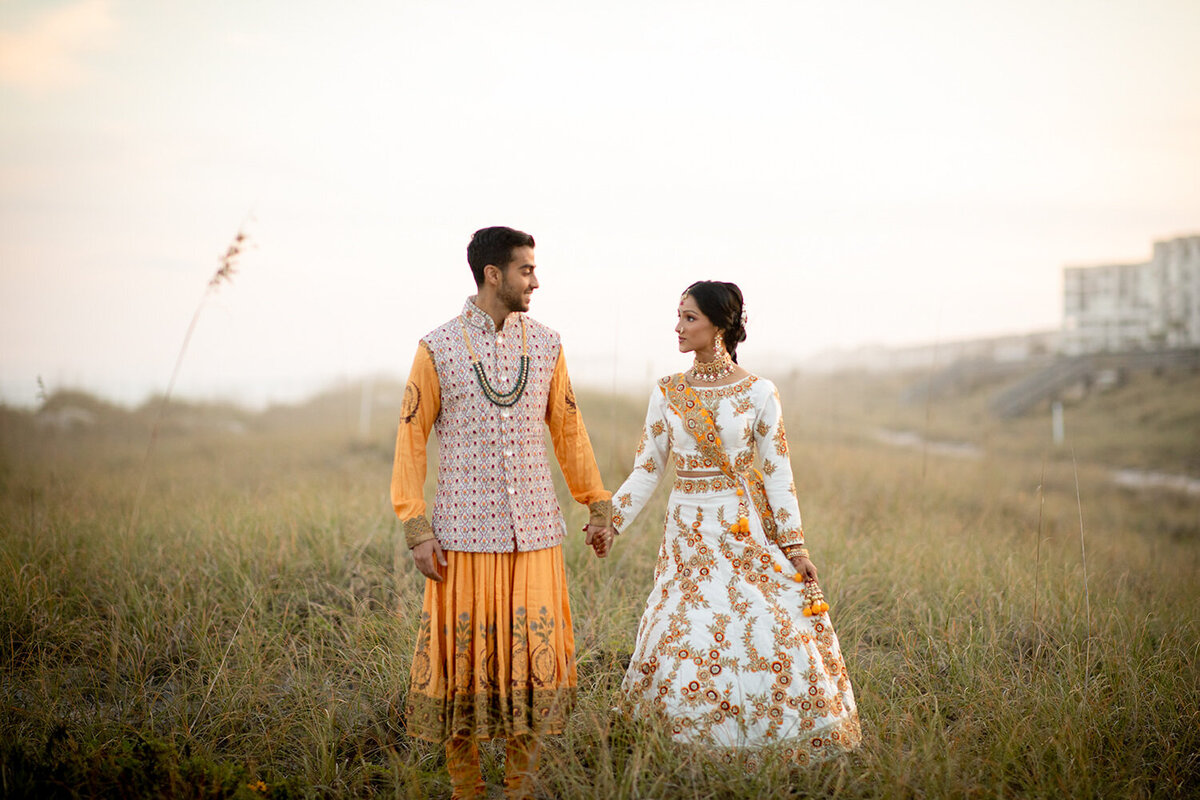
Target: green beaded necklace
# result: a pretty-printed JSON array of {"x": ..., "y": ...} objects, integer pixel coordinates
[{"x": 510, "y": 397}]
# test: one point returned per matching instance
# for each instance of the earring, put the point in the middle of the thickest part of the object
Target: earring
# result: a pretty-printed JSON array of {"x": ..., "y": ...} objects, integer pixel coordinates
[{"x": 719, "y": 350}]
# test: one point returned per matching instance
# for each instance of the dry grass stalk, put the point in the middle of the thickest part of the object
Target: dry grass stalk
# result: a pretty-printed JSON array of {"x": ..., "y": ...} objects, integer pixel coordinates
[
  {"x": 1087, "y": 598},
  {"x": 227, "y": 266},
  {"x": 221, "y": 666},
  {"x": 1037, "y": 549}
]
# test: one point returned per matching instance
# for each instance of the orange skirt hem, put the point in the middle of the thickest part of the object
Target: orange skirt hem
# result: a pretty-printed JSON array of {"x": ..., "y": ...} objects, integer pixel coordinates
[{"x": 495, "y": 652}]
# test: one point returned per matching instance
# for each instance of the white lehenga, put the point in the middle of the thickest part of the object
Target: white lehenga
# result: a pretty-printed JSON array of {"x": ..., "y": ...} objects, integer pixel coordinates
[{"x": 724, "y": 652}]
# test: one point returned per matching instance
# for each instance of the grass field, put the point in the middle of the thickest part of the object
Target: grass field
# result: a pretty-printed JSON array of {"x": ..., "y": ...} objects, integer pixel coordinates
[{"x": 1013, "y": 624}]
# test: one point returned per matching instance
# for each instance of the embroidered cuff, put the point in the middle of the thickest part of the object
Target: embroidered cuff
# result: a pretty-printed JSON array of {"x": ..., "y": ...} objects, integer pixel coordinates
[
  {"x": 787, "y": 538},
  {"x": 417, "y": 530},
  {"x": 600, "y": 512},
  {"x": 618, "y": 522}
]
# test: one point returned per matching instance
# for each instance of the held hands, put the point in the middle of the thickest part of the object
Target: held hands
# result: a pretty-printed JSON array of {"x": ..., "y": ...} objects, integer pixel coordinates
[{"x": 599, "y": 538}]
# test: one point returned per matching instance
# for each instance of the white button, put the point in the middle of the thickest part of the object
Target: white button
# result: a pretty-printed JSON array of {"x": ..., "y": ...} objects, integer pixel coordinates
[
  {"x": 504, "y": 414},
  {"x": 508, "y": 453},
  {"x": 500, "y": 339},
  {"x": 511, "y": 490}
]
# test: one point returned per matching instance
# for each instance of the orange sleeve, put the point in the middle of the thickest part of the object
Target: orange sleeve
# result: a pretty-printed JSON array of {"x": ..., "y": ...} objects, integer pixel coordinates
[
  {"x": 573, "y": 448},
  {"x": 422, "y": 403}
]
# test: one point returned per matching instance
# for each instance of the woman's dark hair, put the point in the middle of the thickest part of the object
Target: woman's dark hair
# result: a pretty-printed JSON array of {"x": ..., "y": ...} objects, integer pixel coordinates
[
  {"x": 722, "y": 303},
  {"x": 494, "y": 246}
]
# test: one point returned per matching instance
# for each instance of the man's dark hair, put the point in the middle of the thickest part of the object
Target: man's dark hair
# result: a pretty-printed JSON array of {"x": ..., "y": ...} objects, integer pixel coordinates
[{"x": 494, "y": 246}]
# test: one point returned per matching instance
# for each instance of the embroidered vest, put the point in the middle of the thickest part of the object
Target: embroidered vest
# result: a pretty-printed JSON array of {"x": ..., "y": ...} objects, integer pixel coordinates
[{"x": 494, "y": 490}]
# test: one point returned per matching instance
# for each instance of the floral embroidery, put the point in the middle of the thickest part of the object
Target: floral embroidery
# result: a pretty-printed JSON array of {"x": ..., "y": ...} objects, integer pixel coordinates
[
  {"x": 686, "y": 462},
  {"x": 721, "y": 392},
  {"x": 656, "y": 428},
  {"x": 723, "y": 655},
  {"x": 694, "y": 485},
  {"x": 536, "y": 698},
  {"x": 411, "y": 404}
]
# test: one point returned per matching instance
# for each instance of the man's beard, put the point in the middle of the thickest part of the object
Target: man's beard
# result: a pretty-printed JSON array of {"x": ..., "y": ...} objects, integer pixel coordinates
[{"x": 513, "y": 299}]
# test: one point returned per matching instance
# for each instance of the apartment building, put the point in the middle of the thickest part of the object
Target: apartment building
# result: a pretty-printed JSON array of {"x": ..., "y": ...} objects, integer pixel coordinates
[{"x": 1148, "y": 306}]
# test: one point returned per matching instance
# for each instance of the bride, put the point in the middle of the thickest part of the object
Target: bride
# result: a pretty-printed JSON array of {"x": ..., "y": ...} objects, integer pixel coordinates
[{"x": 735, "y": 648}]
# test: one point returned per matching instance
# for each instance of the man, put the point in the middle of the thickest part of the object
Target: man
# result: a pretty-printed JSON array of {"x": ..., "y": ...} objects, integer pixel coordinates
[{"x": 495, "y": 653}]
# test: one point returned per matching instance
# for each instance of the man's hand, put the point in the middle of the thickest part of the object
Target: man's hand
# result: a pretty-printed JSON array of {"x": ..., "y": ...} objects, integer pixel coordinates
[
  {"x": 599, "y": 538},
  {"x": 428, "y": 555}
]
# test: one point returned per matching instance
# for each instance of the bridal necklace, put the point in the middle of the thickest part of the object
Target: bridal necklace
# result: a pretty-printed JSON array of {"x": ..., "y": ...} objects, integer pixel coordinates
[
  {"x": 719, "y": 368},
  {"x": 510, "y": 397}
]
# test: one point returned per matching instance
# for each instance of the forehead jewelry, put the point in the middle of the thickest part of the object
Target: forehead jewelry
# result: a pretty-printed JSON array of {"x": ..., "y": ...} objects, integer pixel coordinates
[{"x": 510, "y": 397}]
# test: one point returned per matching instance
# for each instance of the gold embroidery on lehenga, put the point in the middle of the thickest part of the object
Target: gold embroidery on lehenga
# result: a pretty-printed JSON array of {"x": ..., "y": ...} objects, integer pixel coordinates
[
  {"x": 780, "y": 438},
  {"x": 721, "y": 653}
]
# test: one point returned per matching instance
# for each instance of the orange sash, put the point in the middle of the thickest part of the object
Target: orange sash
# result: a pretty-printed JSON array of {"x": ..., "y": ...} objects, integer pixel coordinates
[{"x": 701, "y": 424}]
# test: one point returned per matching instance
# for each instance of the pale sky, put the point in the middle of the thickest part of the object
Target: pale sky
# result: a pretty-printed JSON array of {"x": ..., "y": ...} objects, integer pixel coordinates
[{"x": 884, "y": 172}]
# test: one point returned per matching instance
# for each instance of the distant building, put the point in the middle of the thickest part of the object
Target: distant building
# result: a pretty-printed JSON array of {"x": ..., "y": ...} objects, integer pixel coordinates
[
  {"x": 1004, "y": 349},
  {"x": 1150, "y": 306}
]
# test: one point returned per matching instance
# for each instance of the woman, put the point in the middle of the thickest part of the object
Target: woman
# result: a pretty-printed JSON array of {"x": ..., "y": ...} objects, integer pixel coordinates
[{"x": 735, "y": 648}]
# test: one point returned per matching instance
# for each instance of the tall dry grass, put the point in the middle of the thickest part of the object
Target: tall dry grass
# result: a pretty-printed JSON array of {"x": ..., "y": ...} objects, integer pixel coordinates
[{"x": 258, "y": 624}]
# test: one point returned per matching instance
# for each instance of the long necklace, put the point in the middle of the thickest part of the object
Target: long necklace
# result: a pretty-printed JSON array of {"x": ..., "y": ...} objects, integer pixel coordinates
[
  {"x": 719, "y": 368},
  {"x": 499, "y": 398}
]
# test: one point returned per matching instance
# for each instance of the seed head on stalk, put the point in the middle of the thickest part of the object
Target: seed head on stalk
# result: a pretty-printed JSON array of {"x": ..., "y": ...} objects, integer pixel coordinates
[{"x": 226, "y": 268}]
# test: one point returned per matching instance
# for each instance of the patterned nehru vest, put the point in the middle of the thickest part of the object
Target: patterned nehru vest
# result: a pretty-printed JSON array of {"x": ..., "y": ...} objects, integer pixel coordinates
[{"x": 495, "y": 493}]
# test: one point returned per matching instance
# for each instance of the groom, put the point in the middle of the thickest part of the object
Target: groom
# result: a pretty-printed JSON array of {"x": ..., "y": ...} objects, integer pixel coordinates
[{"x": 495, "y": 653}]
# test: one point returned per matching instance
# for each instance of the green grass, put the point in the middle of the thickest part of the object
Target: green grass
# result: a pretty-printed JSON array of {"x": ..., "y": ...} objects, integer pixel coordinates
[{"x": 258, "y": 624}]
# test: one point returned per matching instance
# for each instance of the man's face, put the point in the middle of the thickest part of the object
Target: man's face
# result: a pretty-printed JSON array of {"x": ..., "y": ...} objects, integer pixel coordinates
[{"x": 517, "y": 280}]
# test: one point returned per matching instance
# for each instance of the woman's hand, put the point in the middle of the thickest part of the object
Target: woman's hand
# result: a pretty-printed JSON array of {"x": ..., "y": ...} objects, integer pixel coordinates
[{"x": 805, "y": 567}]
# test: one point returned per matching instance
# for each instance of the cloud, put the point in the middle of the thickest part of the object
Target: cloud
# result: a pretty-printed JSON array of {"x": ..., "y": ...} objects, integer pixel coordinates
[{"x": 48, "y": 52}]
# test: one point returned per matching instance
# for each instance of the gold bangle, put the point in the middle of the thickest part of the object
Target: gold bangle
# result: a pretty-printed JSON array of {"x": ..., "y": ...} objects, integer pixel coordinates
[
  {"x": 417, "y": 530},
  {"x": 795, "y": 550}
]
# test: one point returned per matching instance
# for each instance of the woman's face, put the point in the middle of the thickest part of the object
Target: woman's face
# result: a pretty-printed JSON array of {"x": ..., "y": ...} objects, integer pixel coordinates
[{"x": 696, "y": 331}]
